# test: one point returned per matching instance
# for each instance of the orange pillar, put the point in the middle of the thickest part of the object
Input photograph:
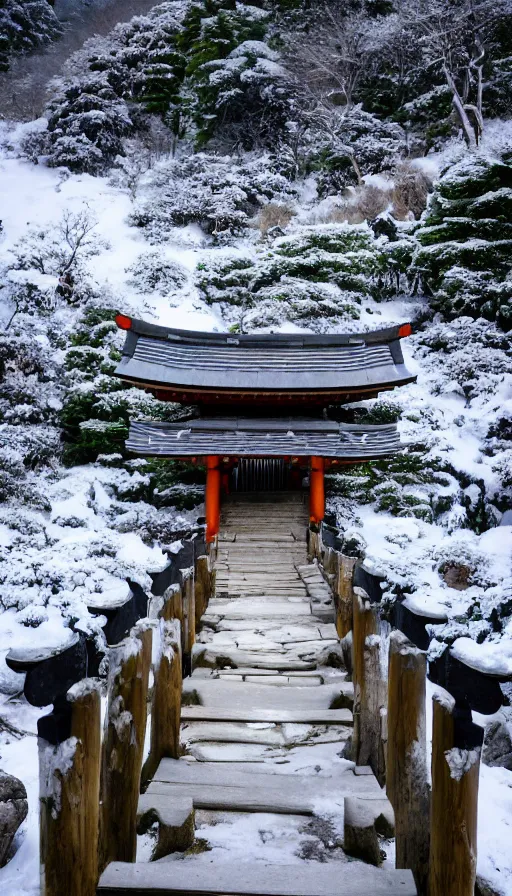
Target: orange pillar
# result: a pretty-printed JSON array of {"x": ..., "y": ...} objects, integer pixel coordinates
[
  {"x": 212, "y": 496},
  {"x": 317, "y": 490}
]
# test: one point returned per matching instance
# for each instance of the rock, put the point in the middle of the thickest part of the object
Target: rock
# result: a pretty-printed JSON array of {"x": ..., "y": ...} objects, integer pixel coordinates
[
  {"x": 484, "y": 888},
  {"x": 497, "y": 748},
  {"x": 13, "y": 811},
  {"x": 360, "y": 837},
  {"x": 457, "y": 576}
]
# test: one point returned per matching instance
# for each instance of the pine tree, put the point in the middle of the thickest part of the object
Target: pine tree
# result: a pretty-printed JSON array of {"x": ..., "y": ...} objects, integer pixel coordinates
[{"x": 465, "y": 253}]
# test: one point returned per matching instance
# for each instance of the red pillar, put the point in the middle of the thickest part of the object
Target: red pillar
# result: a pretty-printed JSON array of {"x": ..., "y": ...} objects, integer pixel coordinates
[
  {"x": 212, "y": 496},
  {"x": 316, "y": 490}
]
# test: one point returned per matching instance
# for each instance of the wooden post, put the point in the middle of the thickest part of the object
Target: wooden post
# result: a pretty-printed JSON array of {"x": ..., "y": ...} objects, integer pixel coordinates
[
  {"x": 313, "y": 545},
  {"x": 407, "y": 779},
  {"x": 317, "y": 490},
  {"x": 344, "y": 594},
  {"x": 166, "y": 703},
  {"x": 212, "y": 497},
  {"x": 69, "y": 776},
  {"x": 453, "y": 819},
  {"x": 123, "y": 745},
  {"x": 189, "y": 617},
  {"x": 172, "y": 604},
  {"x": 365, "y": 624},
  {"x": 373, "y": 699},
  {"x": 202, "y": 587}
]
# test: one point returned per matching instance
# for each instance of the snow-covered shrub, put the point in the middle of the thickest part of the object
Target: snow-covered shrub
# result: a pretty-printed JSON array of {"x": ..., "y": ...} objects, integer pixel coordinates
[
  {"x": 407, "y": 485},
  {"x": 216, "y": 192},
  {"x": 24, "y": 26},
  {"x": 50, "y": 262},
  {"x": 314, "y": 273},
  {"x": 411, "y": 188},
  {"x": 235, "y": 87},
  {"x": 465, "y": 241},
  {"x": 97, "y": 407},
  {"x": 474, "y": 355},
  {"x": 356, "y": 143},
  {"x": 153, "y": 272}
]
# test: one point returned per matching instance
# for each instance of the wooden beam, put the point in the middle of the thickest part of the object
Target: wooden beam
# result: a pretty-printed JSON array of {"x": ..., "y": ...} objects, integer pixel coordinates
[
  {"x": 316, "y": 490},
  {"x": 212, "y": 497},
  {"x": 365, "y": 624}
]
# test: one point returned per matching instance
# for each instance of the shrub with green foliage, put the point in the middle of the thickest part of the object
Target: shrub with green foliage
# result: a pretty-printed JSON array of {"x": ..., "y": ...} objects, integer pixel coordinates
[
  {"x": 464, "y": 256},
  {"x": 98, "y": 407},
  {"x": 317, "y": 272},
  {"x": 238, "y": 90}
]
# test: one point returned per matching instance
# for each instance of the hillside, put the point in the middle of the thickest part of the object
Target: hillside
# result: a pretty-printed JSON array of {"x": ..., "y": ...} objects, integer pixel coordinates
[{"x": 279, "y": 166}]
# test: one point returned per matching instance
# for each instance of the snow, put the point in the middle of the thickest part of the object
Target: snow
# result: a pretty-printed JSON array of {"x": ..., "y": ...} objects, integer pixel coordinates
[{"x": 493, "y": 659}]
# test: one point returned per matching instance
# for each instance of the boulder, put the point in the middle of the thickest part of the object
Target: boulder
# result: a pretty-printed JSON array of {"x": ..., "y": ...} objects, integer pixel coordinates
[
  {"x": 457, "y": 576},
  {"x": 13, "y": 811},
  {"x": 497, "y": 748}
]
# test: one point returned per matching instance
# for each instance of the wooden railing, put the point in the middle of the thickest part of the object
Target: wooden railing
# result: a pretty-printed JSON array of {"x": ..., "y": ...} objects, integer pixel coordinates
[
  {"x": 91, "y": 772},
  {"x": 435, "y": 823}
]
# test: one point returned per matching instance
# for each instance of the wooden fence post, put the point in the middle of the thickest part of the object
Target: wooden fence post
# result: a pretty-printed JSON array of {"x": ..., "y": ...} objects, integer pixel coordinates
[
  {"x": 344, "y": 594},
  {"x": 313, "y": 544},
  {"x": 455, "y": 770},
  {"x": 406, "y": 775},
  {"x": 189, "y": 618},
  {"x": 69, "y": 775},
  {"x": 202, "y": 587},
  {"x": 123, "y": 745},
  {"x": 373, "y": 710},
  {"x": 369, "y": 689},
  {"x": 172, "y": 604},
  {"x": 166, "y": 703}
]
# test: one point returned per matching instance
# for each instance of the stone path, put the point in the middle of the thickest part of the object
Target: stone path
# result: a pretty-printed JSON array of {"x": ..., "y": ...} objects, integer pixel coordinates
[{"x": 266, "y": 715}]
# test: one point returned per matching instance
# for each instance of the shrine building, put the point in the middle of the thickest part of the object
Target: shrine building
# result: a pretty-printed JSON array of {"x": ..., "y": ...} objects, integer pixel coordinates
[{"x": 263, "y": 404}]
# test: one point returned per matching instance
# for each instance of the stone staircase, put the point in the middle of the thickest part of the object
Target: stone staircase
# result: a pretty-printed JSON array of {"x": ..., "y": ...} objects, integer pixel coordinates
[{"x": 265, "y": 717}]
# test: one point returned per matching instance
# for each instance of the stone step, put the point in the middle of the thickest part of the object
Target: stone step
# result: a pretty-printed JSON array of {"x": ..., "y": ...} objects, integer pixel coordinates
[
  {"x": 245, "y": 697},
  {"x": 276, "y": 716},
  {"x": 173, "y": 878}
]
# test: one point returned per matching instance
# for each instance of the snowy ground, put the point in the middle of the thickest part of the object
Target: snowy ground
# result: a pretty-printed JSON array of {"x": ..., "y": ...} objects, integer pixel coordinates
[{"x": 408, "y": 551}]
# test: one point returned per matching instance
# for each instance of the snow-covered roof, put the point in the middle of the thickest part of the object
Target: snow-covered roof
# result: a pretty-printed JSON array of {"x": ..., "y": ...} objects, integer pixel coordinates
[
  {"x": 263, "y": 438},
  {"x": 188, "y": 366}
]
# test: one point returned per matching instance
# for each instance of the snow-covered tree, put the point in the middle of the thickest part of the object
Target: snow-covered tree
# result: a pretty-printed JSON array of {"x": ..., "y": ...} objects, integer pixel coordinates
[
  {"x": 465, "y": 240},
  {"x": 24, "y": 26}
]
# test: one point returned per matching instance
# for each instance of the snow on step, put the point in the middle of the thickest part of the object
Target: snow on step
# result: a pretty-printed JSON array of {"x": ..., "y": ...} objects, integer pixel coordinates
[
  {"x": 277, "y": 716},
  {"x": 257, "y": 879},
  {"x": 241, "y": 696},
  {"x": 218, "y": 785}
]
